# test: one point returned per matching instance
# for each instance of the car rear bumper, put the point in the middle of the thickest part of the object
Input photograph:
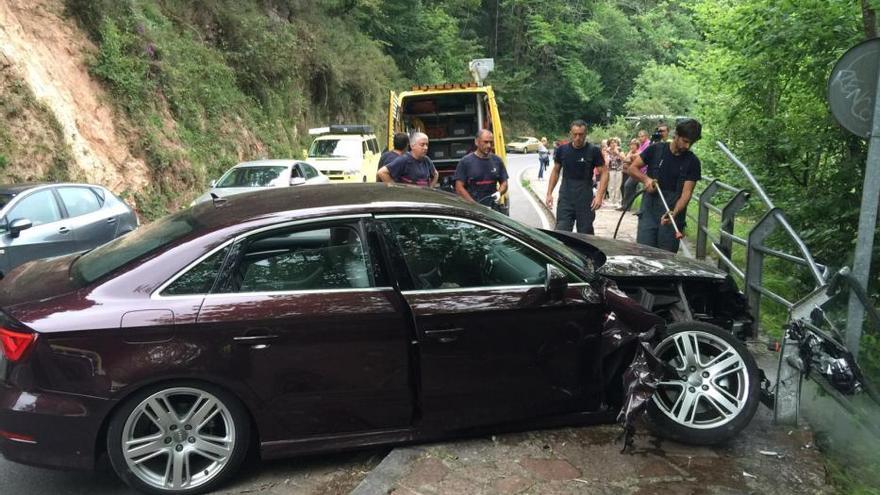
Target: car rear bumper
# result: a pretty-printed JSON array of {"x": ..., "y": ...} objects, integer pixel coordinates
[{"x": 50, "y": 429}]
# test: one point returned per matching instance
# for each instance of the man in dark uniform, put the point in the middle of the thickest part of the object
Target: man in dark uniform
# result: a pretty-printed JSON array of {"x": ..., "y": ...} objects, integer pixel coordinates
[
  {"x": 576, "y": 161},
  {"x": 413, "y": 167},
  {"x": 481, "y": 176},
  {"x": 674, "y": 170},
  {"x": 401, "y": 140}
]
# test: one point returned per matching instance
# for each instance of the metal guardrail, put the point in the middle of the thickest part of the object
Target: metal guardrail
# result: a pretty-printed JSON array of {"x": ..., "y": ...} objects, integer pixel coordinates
[
  {"x": 757, "y": 250},
  {"x": 801, "y": 333}
]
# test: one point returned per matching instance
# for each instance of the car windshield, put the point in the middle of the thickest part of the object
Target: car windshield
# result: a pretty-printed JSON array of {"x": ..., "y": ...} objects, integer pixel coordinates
[
  {"x": 335, "y": 148},
  {"x": 521, "y": 139},
  {"x": 5, "y": 199},
  {"x": 252, "y": 176},
  {"x": 582, "y": 263},
  {"x": 122, "y": 250}
]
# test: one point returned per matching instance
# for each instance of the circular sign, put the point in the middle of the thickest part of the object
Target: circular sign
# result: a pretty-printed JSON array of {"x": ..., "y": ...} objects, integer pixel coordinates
[{"x": 852, "y": 87}]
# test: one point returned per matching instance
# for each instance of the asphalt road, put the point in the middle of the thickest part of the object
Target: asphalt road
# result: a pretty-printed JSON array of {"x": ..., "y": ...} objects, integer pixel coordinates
[
  {"x": 316, "y": 475},
  {"x": 523, "y": 206}
]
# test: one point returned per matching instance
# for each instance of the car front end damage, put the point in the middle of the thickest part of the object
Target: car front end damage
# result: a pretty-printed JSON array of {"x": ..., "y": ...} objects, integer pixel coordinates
[{"x": 697, "y": 382}]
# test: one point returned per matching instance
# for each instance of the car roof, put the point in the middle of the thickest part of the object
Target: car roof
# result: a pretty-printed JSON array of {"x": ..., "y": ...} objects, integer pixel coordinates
[
  {"x": 322, "y": 199},
  {"x": 352, "y": 136},
  {"x": 266, "y": 163},
  {"x": 15, "y": 189}
]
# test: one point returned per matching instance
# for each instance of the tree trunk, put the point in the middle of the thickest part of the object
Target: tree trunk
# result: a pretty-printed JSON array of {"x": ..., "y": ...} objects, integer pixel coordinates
[{"x": 869, "y": 19}]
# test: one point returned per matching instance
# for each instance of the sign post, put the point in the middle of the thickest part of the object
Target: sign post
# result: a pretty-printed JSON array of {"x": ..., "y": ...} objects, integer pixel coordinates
[{"x": 854, "y": 96}]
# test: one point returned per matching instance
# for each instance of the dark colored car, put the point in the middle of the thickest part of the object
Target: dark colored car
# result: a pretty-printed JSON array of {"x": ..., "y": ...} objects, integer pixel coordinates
[
  {"x": 43, "y": 220},
  {"x": 304, "y": 320}
]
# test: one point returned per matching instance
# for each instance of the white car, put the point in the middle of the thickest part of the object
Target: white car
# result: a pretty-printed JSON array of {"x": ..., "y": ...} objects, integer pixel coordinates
[{"x": 260, "y": 174}]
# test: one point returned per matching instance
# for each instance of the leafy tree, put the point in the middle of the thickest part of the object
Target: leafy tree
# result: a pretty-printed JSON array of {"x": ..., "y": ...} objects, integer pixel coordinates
[{"x": 663, "y": 90}]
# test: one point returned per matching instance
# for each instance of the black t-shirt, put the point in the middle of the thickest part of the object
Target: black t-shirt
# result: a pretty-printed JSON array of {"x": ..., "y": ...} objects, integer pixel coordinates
[
  {"x": 408, "y": 170},
  {"x": 388, "y": 157},
  {"x": 578, "y": 163},
  {"x": 480, "y": 175},
  {"x": 668, "y": 169}
]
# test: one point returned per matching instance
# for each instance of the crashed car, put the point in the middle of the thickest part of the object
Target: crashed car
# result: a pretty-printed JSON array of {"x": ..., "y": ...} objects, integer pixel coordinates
[
  {"x": 674, "y": 287},
  {"x": 307, "y": 320}
]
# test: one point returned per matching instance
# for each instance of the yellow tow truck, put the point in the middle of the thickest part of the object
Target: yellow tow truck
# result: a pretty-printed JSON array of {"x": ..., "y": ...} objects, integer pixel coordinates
[{"x": 450, "y": 114}]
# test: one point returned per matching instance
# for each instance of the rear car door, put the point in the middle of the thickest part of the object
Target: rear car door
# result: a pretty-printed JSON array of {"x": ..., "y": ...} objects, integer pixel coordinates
[
  {"x": 91, "y": 224},
  {"x": 493, "y": 347},
  {"x": 317, "y": 330},
  {"x": 50, "y": 235}
]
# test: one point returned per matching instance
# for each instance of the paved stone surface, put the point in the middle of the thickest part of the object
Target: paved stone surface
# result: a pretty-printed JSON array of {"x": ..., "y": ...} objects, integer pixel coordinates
[{"x": 588, "y": 460}]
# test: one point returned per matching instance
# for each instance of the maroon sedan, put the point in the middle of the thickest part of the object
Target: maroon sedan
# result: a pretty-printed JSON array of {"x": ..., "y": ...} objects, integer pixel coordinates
[{"x": 303, "y": 320}]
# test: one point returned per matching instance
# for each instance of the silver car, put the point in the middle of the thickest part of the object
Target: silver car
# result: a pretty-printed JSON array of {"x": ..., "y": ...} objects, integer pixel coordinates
[
  {"x": 256, "y": 175},
  {"x": 44, "y": 220}
]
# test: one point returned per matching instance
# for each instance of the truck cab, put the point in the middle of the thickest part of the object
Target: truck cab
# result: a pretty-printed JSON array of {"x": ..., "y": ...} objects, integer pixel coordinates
[
  {"x": 345, "y": 153},
  {"x": 451, "y": 115}
]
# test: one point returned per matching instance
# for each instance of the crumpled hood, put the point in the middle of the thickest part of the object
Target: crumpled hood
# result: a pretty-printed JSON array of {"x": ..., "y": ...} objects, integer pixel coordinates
[{"x": 628, "y": 259}]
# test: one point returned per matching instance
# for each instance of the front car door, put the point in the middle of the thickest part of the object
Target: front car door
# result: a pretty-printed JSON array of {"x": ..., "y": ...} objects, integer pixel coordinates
[
  {"x": 318, "y": 330},
  {"x": 493, "y": 347},
  {"x": 50, "y": 234}
]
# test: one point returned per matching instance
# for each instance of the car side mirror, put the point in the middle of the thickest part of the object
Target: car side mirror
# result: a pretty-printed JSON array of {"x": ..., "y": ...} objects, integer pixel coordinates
[
  {"x": 554, "y": 282},
  {"x": 213, "y": 182},
  {"x": 18, "y": 225},
  {"x": 296, "y": 181}
]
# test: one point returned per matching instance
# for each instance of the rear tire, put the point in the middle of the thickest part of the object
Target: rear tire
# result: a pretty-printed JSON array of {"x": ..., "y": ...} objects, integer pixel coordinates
[
  {"x": 717, "y": 389},
  {"x": 178, "y": 438}
]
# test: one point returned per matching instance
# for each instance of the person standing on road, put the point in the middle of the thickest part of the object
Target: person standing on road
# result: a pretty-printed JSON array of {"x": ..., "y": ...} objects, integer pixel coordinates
[
  {"x": 413, "y": 167},
  {"x": 614, "y": 160},
  {"x": 400, "y": 141},
  {"x": 631, "y": 185},
  {"x": 576, "y": 162},
  {"x": 480, "y": 177},
  {"x": 673, "y": 170},
  {"x": 543, "y": 158}
]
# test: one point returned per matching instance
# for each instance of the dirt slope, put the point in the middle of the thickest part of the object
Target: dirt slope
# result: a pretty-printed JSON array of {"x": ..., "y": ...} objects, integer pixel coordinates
[{"x": 48, "y": 52}]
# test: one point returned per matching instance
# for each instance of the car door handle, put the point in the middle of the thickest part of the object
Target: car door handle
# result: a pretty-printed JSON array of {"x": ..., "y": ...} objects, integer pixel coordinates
[
  {"x": 444, "y": 335},
  {"x": 111, "y": 220},
  {"x": 253, "y": 339},
  {"x": 63, "y": 230}
]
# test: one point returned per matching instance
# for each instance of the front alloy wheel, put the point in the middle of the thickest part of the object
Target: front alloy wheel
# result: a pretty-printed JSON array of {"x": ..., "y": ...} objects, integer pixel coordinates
[
  {"x": 178, "y": 439},
  {"x": 714, "y": 391}
]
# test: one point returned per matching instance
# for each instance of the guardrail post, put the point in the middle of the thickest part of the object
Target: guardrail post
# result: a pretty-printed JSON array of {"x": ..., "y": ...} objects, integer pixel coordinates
[
  {"x": 755, "y": 262},
  {"x": 703, "y": 218},
  {"x": 728, "y": 215}
]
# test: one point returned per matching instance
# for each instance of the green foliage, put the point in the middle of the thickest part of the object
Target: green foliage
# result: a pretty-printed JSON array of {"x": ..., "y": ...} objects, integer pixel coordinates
[
  {"x": 121, "y": 62},
  {"x": 209, "y": 84},
  {"x": 663, "y": 90}
]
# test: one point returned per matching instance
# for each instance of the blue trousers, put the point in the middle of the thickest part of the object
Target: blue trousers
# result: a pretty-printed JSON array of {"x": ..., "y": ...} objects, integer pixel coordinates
[{"x": 650, "y": 231}]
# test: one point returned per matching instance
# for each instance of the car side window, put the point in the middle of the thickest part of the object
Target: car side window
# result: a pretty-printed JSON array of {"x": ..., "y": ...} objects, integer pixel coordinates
[
  {"x": 307, "y": 169},
  {"x": 296, "y": 171},
  {"x": 443, "y": 253},
  {"x": 374, "y": 145},
  {"x": 198, "y": 279},
  {"x": 315, "y": 259},
  {"x": 39, "y": 207},
  {"x": 79, "y": 200}
]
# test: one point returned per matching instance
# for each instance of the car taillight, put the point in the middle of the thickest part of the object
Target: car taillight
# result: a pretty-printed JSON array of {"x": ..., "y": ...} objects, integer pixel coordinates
[{"x": 15, "y": 344}]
